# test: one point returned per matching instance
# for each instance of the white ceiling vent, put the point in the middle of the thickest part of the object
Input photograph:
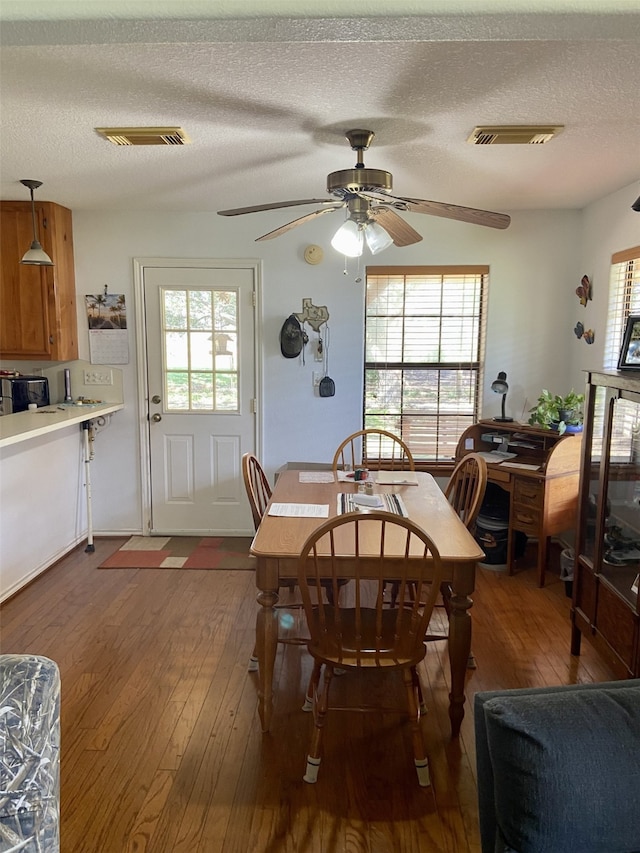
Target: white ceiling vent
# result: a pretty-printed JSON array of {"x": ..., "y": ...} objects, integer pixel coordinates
[
  {"x": 144, "y": 135},
  {"x": 513, "y": 134}
]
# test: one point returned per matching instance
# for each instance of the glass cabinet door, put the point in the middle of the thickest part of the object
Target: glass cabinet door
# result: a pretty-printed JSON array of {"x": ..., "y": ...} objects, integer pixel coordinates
[
  {"x": 620, "y": 479},
  {"x": 591, "y": 527}
]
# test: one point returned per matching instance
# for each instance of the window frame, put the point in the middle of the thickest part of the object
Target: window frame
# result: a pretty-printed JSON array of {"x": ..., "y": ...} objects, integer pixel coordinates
[
  {"x": 624, "y": 276},
  {"x": 442, "y": 466}
]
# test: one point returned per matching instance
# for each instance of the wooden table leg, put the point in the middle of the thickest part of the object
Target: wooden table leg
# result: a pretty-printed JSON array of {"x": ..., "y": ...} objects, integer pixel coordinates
[
  {"x": 459, "y": 648},
  {"x": 266, "y": 644},
  {"x": 543, "y": 556}
]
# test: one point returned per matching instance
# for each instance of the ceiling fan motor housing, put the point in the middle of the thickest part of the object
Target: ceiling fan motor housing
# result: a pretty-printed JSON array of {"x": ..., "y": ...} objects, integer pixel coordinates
[{"x": 347, "y": 181}]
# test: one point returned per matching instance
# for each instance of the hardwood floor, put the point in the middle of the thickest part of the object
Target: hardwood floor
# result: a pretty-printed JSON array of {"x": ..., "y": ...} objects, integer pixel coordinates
[{"x": 161, "y": 746}]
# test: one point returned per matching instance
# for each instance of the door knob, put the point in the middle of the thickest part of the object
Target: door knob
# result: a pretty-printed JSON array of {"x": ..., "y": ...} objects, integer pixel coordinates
[
  {"x": 156, "y": 398},
  {"x": 156, "y": 417}
]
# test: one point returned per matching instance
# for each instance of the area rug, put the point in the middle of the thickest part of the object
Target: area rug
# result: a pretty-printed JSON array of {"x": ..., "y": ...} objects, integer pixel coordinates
[{"x": 183, "y": 552}]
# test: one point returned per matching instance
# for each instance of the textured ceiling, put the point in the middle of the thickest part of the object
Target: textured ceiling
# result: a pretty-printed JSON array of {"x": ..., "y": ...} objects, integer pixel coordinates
[{"x": 266, "y": 100}]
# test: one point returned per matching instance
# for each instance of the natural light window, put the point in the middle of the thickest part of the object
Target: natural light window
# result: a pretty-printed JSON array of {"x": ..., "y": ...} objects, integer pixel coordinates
[
  {"x": 624, "y": 300},
  {"x": 200, "y": 345},
  {"x": 424, "y": 343}
]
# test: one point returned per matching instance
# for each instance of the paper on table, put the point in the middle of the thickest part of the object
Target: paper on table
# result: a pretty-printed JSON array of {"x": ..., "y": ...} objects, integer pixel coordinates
[
  {"x": 300, "y": 510},
  {"x": 520, "y": 465},
  {"x": 316, "y": 477},
  {"x": 398, "y": 478}
]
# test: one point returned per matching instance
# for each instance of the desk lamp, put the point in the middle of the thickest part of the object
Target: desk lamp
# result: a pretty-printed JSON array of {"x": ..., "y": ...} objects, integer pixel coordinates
[{"x": 500, "y": 386}]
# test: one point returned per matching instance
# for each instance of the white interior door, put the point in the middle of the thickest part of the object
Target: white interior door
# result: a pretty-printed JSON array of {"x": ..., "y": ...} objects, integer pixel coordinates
[{"x": 201, "y": 382}]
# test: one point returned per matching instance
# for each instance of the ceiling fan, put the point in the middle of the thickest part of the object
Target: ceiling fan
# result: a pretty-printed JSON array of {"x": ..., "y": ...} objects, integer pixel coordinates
[{"x": 366, "y": 195}]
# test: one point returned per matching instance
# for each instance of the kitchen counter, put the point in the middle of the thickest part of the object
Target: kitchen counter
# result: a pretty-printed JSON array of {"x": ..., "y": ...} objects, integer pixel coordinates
[{"x": 25, "y": 425}]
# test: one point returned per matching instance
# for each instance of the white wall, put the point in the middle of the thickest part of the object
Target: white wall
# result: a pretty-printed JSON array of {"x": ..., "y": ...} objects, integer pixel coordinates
[
  {"x": 609, "y": 225},
  {"x": 529, "y": 331},
  {"x": 535, "y": 266}
]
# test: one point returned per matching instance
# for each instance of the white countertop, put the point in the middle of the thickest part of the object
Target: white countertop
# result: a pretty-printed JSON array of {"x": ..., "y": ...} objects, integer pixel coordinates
[{"x": 25, "y": 425}]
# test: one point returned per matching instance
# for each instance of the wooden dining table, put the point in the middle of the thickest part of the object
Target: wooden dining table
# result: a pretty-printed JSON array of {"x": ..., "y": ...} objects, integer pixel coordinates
[{"x": 279, "y": 540}]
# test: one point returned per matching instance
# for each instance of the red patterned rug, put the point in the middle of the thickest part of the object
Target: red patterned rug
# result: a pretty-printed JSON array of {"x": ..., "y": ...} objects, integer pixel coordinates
[{"x": 183, "y": 552}]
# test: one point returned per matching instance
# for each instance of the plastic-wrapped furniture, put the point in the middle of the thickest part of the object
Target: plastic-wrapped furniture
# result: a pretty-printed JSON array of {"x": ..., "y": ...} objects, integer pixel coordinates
[
  {"x": 559, "y": 768},
  {"x": 29, "y": 754}
]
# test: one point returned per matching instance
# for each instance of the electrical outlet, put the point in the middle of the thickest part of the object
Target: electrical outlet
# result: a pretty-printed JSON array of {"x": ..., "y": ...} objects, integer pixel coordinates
[
  {"x": 317, "y": 377},
  {"x": 318, "y": 351},
  {"x": 98, "y": 377}
]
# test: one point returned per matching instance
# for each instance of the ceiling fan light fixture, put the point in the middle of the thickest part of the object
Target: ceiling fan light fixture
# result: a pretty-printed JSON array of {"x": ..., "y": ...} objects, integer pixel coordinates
[
  {"x": 35, "y": 255},
  {"x": 377, "y": 238},
  {"x": 349, "y": 239}
]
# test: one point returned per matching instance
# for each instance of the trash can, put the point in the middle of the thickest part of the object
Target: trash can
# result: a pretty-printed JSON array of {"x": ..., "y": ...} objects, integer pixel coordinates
[
  {"x": 492, "y": 529},
  {"x": 493, "y": 535},
  {"x": 567, "y": 559}
]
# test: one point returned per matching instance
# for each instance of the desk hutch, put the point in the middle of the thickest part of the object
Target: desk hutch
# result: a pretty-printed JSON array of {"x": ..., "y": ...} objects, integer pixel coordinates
[{"x": 542, "y": 479}]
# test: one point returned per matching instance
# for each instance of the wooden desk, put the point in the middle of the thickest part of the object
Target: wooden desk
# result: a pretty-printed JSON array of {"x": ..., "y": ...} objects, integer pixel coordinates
[
  {"x": 279, "y": 540},
  {"x": 542, "y": 502}
]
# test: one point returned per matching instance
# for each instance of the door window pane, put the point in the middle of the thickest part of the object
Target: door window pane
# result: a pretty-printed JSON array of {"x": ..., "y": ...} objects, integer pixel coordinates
[{"x": 200, "y": 349}]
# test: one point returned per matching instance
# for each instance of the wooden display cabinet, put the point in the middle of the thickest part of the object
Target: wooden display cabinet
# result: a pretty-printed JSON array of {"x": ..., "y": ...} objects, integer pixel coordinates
[
  {"x": 541, "y": 478},
  {"x": 38, "y": 317},
  {"x": 605, "y": 605}
]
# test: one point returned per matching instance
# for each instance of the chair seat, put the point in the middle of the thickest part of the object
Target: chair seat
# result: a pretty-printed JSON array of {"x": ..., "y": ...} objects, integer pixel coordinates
[{"x": 364, "y": 645}]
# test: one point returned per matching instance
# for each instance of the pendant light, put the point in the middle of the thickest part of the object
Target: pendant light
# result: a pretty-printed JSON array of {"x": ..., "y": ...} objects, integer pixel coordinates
[
  {"x": 350, "y": 238},
  {"x": 36, "y": 256}
]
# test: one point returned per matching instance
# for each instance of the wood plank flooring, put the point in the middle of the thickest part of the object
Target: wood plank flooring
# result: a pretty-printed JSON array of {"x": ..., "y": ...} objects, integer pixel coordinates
[{"x": 161, "y": 745}]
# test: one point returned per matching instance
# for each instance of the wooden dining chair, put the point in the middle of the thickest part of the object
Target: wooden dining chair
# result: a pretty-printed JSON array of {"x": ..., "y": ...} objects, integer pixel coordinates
[
  {"x": 259, "y": 494},
  {"x": 465, "y": 492},
  {"x": 257, "y": 487},
  {"x": 466, "y": 487},
  {"x": 362, "y": 632},
  {"x": 373, "y": 448}
]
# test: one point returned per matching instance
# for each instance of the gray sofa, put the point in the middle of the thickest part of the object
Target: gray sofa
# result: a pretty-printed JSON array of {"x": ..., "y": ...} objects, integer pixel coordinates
[
  {"x": 29, "y": 754},
  {"x": 559, "y": 768}
]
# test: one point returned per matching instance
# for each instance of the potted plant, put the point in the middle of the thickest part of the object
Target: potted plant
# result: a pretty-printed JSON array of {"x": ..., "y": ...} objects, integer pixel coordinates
[{"x": 563, "y": 414}]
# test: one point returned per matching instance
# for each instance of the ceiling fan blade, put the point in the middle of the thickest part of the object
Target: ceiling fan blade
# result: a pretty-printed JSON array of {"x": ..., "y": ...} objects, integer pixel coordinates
[
  {"x": 439, "y": 208},
  {"x": 400, "y": 231},
  {"x": 236, "y": 211},
  {"x": 289, "y": 225}
]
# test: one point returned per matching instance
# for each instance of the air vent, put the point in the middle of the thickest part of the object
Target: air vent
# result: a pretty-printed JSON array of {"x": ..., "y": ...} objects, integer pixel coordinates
[
  {"x": 144, "y": 135},
  {"x": 514, "y": 135}
]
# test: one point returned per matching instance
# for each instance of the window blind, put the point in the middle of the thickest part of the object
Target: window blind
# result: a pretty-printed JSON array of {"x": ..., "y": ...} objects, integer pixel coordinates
[
  {"x": 424, "y": 348},
  {"x": 624, "y": 300}
]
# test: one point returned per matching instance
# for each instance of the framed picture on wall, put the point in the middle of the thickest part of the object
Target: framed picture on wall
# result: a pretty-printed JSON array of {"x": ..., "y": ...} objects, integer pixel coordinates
[{"x": 630, "y": 352}]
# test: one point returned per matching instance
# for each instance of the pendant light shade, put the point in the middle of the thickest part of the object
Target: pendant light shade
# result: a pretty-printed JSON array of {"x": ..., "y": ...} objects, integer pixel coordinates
[
  {"x": 349, "y": 239},
  {"x": 377, "y": 238},
  {"x": 35, "y": 255}
]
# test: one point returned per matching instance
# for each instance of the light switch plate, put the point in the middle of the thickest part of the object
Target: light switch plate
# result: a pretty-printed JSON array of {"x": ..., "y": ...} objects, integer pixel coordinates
[{"x": 100, "y": 376}]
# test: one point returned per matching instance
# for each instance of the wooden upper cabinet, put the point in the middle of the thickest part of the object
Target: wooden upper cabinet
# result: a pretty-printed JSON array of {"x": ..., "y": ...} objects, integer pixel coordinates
[{"x": 38, "y": 318}]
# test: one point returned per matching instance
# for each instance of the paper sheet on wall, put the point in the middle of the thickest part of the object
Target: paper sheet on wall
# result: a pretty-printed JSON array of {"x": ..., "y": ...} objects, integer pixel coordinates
[{"x": 108, "y": 346}]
